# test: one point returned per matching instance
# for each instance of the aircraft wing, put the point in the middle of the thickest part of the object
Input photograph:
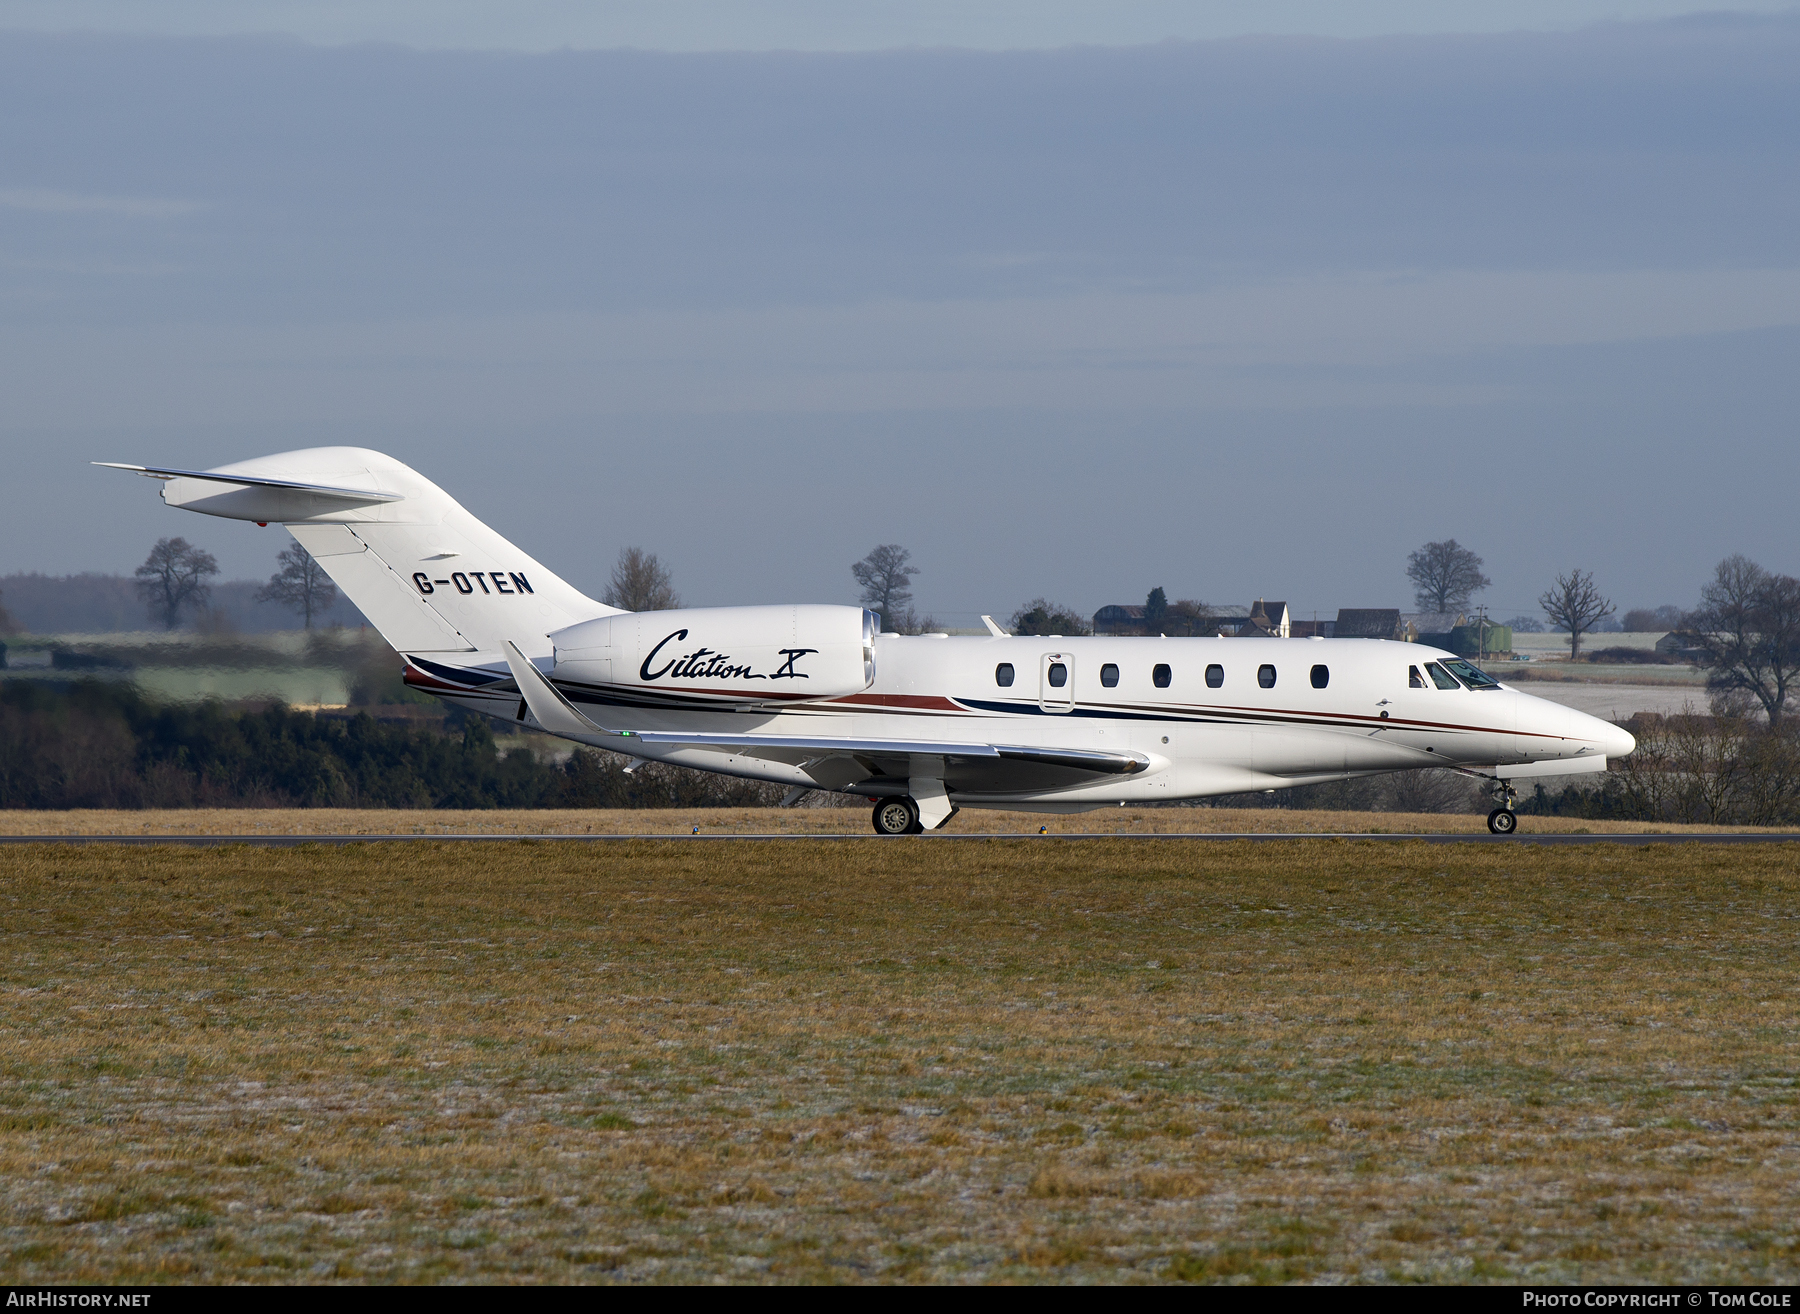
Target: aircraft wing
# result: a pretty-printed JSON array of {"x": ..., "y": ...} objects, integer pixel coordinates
[{"x": 561, "y": 717}]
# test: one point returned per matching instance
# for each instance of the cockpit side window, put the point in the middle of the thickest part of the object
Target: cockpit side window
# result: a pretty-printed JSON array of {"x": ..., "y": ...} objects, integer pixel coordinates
[
  {"x": 1440, "y": 677},
  {"x": 1413, "y": 679},
  {"x": 1471, "y": 675}
]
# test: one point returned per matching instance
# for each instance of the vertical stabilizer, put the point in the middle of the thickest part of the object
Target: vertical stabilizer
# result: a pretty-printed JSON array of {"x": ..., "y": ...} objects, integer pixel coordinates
[{"x": 427, "y": 574}]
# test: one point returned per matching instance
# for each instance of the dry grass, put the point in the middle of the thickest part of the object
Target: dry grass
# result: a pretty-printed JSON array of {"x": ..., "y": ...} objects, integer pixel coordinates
[
  {"x": 779, "y": 821},
  {"x": 900, "y": 1060}
]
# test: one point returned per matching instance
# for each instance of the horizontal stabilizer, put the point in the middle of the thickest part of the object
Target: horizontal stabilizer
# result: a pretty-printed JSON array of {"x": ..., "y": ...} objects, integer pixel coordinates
[{"x": 359, "y": 496}]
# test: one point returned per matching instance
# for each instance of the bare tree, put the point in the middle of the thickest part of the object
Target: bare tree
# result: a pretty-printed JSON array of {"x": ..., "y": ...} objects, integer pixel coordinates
[
  {"x": 1040, "y": 616},
  {"x": 1748, "y": 628},
  {"x": 640, "y": 583},
  {"x": 1718, "y": 769},
  {"x": 1188, "y": 619},
  {"x": 1445, "y": 576},
  {"x": 1429, "y": 790},
  {"x": 1574, "y": 604},
  {"x": 1652, "y": 620},
  {"x": 301, "y": 584},
  {"x": 884, "y": 576},
  {"x": 173, "y": 579}
]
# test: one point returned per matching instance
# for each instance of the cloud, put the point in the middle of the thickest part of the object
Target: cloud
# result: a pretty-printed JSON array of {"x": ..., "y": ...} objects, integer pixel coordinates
[
  {"x": 44, "y": 200},
  {"x": 821, "y": 25}
]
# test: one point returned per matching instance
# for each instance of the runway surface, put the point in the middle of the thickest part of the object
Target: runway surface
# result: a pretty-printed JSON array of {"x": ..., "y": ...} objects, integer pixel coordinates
[{"x": 292, "y": 841}]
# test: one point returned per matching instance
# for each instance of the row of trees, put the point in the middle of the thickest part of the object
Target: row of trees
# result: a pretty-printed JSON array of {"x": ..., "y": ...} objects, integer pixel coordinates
[
  {"x": 104, "y": 745},
  {"x": 1730, "y": 768}
]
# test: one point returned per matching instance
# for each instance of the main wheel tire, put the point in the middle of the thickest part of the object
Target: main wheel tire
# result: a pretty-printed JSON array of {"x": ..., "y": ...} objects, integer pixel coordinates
[
  {"x": 1501, "y": 821},
  {"x": 896, "y": 816}
]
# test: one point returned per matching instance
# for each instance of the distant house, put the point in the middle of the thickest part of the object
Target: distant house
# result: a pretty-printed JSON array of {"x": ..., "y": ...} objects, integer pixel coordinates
[
  {"x": 1270, "y": 620},
  {"x": 1262, "y": 620},
  {"x": 1119, "y": 618},
  {"x": 1677, "y": 644},
  {"x": 1369, "y": 623},
  {"x": 1416, "y": 625},
  {"x": 1314, "y": 629}
]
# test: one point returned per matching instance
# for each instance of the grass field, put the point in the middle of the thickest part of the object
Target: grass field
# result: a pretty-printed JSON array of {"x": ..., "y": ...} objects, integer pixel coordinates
[
  {"x": 779, "y": 821},
  {"x": 901, "y": 1060}
]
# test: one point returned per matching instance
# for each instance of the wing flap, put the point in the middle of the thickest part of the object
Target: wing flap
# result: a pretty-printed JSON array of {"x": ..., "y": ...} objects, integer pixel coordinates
[{"x": 1118, "y": 764}]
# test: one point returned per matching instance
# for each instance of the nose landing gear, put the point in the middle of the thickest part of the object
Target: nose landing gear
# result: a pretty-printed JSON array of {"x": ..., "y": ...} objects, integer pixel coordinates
[{"x": 1503, "y": 820}]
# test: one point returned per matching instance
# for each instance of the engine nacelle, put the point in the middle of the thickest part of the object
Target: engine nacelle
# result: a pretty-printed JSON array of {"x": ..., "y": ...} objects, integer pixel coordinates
[{"x": 726, "y": 654}]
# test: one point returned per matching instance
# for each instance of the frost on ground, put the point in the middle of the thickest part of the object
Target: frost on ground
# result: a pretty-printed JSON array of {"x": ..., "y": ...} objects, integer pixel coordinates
[{"x": 900, "y": 1061}]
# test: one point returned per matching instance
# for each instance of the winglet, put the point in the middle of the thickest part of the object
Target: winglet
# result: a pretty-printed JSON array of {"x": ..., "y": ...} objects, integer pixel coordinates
[
  {"x": 994, "y": 629},
  {"x": 554, "y": 712}
]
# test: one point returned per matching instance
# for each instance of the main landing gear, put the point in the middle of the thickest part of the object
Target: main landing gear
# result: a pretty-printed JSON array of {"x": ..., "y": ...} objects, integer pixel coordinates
[
  {"x": 897, "y": 816},
  {"x": 1503, "y": 820}
]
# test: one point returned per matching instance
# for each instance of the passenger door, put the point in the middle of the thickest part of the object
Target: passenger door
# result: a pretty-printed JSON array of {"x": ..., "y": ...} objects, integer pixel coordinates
[{"x": 1056, "y": 682}]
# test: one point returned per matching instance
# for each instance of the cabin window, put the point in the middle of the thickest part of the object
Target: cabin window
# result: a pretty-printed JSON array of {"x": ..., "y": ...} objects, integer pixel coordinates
[
  {"x": 1440, "y": 677},
  {"x": 1473, "y": 676},
  {"x": 1215, "y": 676},
  {"x": 1413, "y": 679},
  {"x": 1003, "y": 675},
  {"x": 1059, "y": 675},
  {"x": 1160, "y": 675},
  {"x": 1109, "y": 676},
  {"x": 1321, "y": 676},
  {"x": 1265, "y": 676}
]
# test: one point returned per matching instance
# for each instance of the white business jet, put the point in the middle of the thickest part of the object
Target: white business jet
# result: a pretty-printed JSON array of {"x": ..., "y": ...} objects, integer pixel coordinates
[{"x": 817, "y": 697}]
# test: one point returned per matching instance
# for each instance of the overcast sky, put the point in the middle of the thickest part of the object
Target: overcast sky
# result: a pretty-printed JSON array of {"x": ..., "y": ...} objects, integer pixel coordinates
[
  {"x": 821, "y": 25},
  {"x": 1237, "y": 317}
]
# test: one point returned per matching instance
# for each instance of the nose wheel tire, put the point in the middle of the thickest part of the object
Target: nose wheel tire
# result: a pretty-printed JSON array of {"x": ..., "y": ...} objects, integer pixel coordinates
[
  {"x": 897, "y": 816},
  {"x": 1502, "y": 821}
]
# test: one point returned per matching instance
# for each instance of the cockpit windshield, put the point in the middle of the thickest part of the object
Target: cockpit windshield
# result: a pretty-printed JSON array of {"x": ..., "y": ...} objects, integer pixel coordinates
[
  {"x": 1439, "y": 676},
  {"x": 1473, "y": 676}
]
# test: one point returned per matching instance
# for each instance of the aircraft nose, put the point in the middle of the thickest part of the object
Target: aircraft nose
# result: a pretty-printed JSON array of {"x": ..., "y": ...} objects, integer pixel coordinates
[{"x": 1617, "y": 741}]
